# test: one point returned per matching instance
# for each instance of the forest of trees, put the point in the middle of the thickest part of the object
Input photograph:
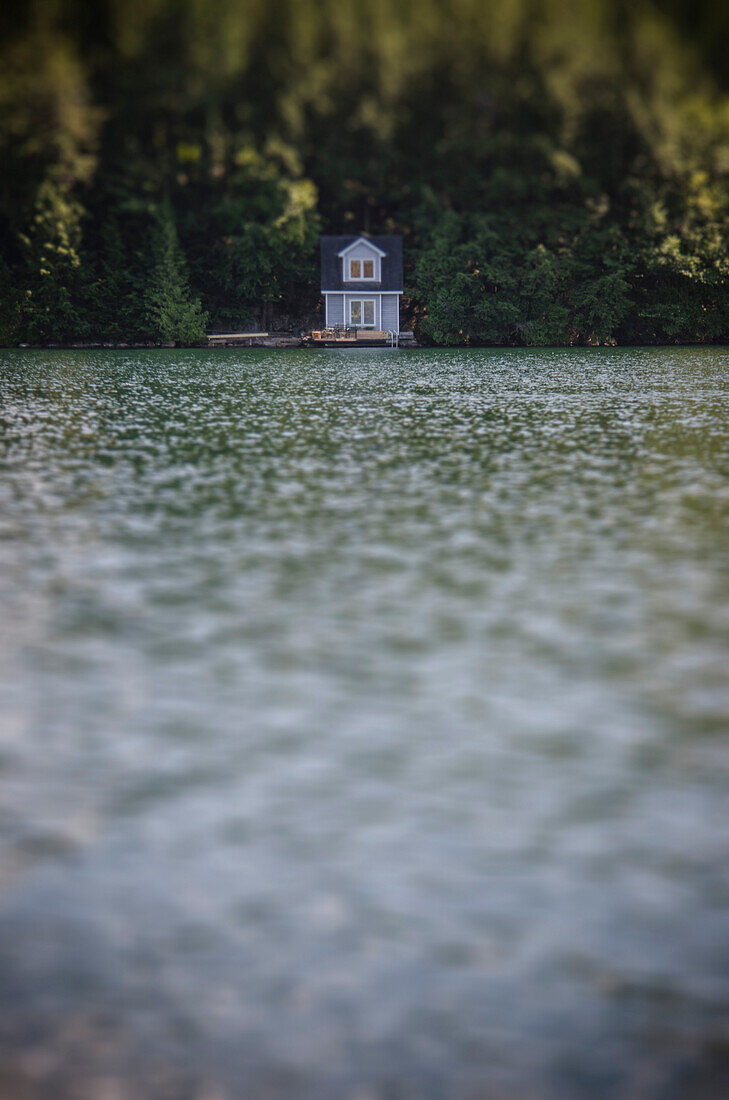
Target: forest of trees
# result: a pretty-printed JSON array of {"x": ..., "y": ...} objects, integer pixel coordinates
[{"x": 560, "y": 172}]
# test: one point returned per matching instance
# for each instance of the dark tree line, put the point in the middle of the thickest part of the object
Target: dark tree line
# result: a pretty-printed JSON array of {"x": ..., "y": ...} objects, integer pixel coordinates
[{"x": 560, "y": 172}]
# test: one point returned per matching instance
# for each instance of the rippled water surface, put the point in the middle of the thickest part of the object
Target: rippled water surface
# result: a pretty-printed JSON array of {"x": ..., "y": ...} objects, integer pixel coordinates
[{"x": 364, "y": 725}]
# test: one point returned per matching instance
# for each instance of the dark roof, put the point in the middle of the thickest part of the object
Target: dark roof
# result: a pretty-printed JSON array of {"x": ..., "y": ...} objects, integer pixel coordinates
[{"x": 331, "y": 264}]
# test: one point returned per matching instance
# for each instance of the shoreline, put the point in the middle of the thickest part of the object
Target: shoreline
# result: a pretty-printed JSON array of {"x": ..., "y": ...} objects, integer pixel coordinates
[{"x": 289, "y": 343}]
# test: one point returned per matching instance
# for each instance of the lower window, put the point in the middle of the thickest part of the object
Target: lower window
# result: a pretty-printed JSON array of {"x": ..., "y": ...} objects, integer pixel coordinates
[{"x": 362, "y": 312}]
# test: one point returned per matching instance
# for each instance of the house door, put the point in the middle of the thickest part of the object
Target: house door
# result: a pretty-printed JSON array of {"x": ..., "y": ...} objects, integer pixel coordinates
[{"x": 362, "y": 312}]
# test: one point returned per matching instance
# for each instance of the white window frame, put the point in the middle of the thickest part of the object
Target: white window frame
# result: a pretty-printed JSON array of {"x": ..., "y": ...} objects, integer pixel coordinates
[
  {"x": 377, "y": 255},
  {"x": 361, "y": 302},
  {"x": 362, "y": 278}
]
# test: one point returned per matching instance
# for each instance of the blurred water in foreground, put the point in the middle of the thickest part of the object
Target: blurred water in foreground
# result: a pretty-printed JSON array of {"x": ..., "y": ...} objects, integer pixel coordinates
[{"x": 364, "y": 725}]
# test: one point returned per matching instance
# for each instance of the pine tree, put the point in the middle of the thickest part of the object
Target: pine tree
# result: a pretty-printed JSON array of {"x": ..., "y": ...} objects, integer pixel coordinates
[
  {"x": 52, "y": 262},
  {"x": 10, "y": 306},
  {"x": 173, "y": 312},
  {"x": 118, "y": 292}
]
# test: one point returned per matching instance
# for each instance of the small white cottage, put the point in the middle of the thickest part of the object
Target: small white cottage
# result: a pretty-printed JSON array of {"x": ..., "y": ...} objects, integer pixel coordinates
[{"x": 361, "y": 280}]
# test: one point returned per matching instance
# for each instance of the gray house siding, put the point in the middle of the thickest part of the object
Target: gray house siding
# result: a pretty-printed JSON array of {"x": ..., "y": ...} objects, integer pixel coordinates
[
  {"x": 387, "y": 309},
  {"x": 361, "y": 296},
  {"x": 361, "y": 251},
  {"x": 335, "y": 309},
  {"x": 391, "y": 312}
]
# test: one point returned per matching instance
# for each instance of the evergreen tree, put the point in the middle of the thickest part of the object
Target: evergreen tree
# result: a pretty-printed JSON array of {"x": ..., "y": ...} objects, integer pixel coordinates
[
  {"x": 172, "y": 311},
  {"x": 52, "y": 263},
  {"x": 10, "y": 306},
  {"x": 118, "y": 292}
]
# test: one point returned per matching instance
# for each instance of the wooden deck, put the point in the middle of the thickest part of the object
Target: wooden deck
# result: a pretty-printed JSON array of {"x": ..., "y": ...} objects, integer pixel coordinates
[
  {"x": 348, "y": 338},
  {"x": 322, "y": 338},
  {"x": 253, "y": 340}
]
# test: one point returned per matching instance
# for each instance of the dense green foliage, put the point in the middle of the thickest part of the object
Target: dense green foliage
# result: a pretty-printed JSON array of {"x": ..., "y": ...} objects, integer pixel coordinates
[
  {"x": 171, "y": 310},
  {"x": 560, "y": 172}
]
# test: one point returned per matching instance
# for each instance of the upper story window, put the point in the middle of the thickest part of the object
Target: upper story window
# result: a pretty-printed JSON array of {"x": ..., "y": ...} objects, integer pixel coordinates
[
  {"x": 361, "y": 269},
  {"x": 361, "y": 261}
]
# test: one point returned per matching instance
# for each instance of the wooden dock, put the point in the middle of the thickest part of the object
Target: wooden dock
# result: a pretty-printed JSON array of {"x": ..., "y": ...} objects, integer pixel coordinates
[
  {"x": 352, "y": 338},
  {"x": 253, "y": 340},
  {"x": 323, "y": 338}
]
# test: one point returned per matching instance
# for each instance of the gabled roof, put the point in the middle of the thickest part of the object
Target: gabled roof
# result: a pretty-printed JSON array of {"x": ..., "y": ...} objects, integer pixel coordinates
[
  {"x": 361, "y": 240},
  {"x": 388, "y": 247}
]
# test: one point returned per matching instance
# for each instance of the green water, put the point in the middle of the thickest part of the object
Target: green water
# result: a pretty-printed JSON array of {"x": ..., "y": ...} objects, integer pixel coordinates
[{"x": 364, "y": 724}]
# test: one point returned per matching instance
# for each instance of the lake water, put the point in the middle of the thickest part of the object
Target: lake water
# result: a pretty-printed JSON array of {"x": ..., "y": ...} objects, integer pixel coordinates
[{"x": 364, "y": 725}]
